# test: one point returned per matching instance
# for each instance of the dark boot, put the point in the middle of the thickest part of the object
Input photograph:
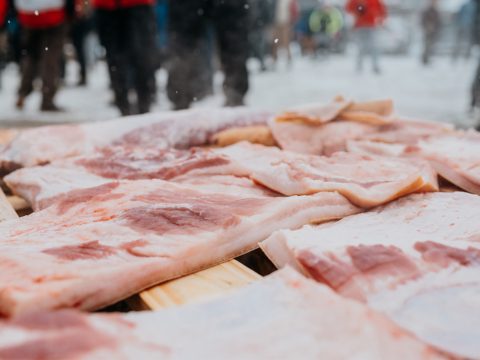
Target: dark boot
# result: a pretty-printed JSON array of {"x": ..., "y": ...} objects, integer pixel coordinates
[{"x": 51, "y": 107}]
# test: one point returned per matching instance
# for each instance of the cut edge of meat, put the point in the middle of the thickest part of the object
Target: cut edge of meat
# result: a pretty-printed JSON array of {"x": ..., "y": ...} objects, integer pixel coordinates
[
  {"x": 455, "y": 177},
  {"x": 365, "y": 117},
  {"x": 276, "y": 249}
]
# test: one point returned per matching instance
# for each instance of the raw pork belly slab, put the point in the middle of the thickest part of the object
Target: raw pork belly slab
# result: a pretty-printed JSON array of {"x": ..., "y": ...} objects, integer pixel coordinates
[
  {"x": 456, "y": 157},
  {"x": 284, "y": 316},
  {"x": 99, "y": 245},
  {"x": 366, "y": 181},
  {"x": 417, "y": 260},
  {"x": 180, "y": 129},
  {"x": 332, "y": 137},
  {"x": 40, "y": 185}
]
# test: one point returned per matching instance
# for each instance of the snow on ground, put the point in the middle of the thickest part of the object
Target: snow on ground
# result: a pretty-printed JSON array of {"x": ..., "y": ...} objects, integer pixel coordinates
[{"x": 440, "y": 92}]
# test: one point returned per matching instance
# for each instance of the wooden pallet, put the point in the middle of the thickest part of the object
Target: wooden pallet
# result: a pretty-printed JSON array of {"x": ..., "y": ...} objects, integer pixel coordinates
[{"x": 202, "y": 285}]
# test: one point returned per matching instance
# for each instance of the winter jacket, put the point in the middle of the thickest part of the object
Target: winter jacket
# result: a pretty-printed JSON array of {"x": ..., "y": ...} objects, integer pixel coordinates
[
  {"x": 37, "y": 14},
  {"x": 117, "y": 4},
  {"x": 3, "y": 12},
  {"x": 367, "y": 13}
]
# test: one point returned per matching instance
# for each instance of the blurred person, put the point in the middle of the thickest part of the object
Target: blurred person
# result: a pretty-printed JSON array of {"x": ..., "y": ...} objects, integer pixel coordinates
[
  {"x": 13, "y": 34},
  {"x": 80, "y": 28},
  {"x": 431, "y": 24},
  {"x": 261, "y": 17},
  {"x": 464, "y": 23},
  {"x": 369, "y": 16},
  {"x": 42, "y": 38},
  {"x": 3, "y": 37},
  {"x": 190, "y": 23},
  {"x": 127, "y": 30},
  {"x": 475, "y": 89},
  {"x": 326, "y": 23},
  {"x": 286, "y": 15},
  {"x": 304, "y": 32},
  {"x": 161, "y": 16}
]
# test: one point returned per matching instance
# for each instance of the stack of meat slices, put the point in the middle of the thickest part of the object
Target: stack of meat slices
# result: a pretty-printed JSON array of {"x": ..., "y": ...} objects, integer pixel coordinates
[
  {"x": 284, "y": 316},
  {"x": 417, "y": 260},
  {"x": 326, "y": 129},
  {"x": 366, "y": 181}
]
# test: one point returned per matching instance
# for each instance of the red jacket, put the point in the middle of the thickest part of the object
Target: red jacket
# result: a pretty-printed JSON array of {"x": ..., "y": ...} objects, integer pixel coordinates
[
  {"x": 367, "y": 13},
  {"x": 3, "y": 11},
  {"x": 39, "y": 14},
  {"x": 115, "y": 4}
]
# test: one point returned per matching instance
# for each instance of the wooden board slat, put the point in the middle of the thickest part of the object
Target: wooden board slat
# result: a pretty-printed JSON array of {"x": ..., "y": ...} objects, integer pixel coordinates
[
  {"x": 7, "y": 212},
  {"x": 203, "y": 285},
  {"x": 18, "y": 203}
]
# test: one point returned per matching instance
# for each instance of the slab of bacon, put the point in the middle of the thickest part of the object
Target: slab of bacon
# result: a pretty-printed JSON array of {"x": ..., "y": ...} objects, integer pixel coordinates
[
  {"x": 373, "y": 112},
  {"x": 281, "y": 317},
  {"x": 181, "y": 129},
  {"x": 41, "y": 185},
  {"x": 365, "y": 180},
  {"x": 417, "y": 260},
  {"x": 331, "y": 137},
  {"x": 456, "y": 156},
  {"x": 78, "y": 252}
]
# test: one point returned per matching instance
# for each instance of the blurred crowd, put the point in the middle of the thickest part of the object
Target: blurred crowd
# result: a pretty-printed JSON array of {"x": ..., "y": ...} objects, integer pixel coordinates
[{"x": 192, "y": 39}]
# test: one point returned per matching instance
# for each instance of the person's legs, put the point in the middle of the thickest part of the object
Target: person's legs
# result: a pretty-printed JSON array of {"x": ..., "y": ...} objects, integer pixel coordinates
[
  {"x": 141, "y": 28},
  {"x": 231, "y": 21},
  {"x": 52, "y": 43},
  {"x": 427, "y": 50},
  {"x": 475, "y": 90},
  {"x": 112, "y": 34},
  {"x": 187, "y": 25},
  {"x": 360, "y": 35},
  {"x": 373, "y": 49},
  {"x": 286, "y": 33},
  {"x": 29, "y": 63},
  {"x": 257, "y": 46},
  {"x": 79, "y": 32}
]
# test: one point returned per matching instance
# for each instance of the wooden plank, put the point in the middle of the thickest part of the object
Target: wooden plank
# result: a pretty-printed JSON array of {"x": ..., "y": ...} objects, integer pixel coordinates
[
  {"x": 7, "y": 212},
  {"x": 7, "y": 135},
  {"x": 18, "y": 203},
  {"x": 203, "y": 285}
]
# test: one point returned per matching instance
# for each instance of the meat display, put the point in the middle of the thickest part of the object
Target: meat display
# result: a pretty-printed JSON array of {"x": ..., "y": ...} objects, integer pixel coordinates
[
  {"x": 365, "y": 180},
  {"x": 281, "y": 317},
  {"x": 332, "y": 137},
  {"x": 417, "y": 260},
  {"x": 180, "y": 129},
  {"x": 349, "y": 199},
  {"x": 456, "y": 156},
  {"x": 76, "y": 252}
]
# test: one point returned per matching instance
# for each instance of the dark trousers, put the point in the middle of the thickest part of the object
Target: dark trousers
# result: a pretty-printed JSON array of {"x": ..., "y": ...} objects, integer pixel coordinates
[
  {"x": 128, "y": 36},
  {"x": 188, "y": 23},
  {"x": 79, "y": 31},
  {"x": 42, "y": 53}
]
